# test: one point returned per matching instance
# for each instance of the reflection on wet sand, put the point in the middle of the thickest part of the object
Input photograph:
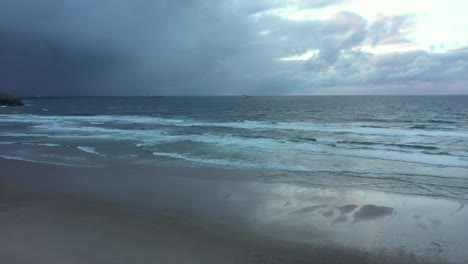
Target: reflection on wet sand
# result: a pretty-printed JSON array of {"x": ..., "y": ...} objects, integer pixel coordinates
[
  {"x": 371, "y": 212},
  {"x": 364, "y": 213}
]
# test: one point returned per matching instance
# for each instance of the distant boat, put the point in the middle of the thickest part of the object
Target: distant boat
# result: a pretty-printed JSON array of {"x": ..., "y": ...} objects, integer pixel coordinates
[{"x": 245, "y": 96}]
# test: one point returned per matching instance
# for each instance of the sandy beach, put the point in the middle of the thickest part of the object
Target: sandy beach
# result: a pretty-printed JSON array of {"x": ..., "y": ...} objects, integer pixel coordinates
[
  {"x": 63, "y": 214},
  {"x": 233, "y": 132}
]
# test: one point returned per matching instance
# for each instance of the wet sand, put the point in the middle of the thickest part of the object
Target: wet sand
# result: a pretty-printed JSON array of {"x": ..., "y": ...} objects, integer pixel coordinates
[{"x": 59, "y": 214}]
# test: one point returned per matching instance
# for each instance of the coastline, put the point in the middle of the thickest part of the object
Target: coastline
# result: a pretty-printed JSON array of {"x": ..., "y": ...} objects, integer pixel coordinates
[{"x": 59, "y": 214}]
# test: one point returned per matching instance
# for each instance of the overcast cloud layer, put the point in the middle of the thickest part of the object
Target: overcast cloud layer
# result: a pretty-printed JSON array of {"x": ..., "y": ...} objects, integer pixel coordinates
[{"x": 201, "y": 47}]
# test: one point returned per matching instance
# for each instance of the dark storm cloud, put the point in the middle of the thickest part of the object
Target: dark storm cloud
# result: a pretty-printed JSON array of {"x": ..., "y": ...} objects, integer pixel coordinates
[
  {"x": 123, "y": 47},
  {"x": 114, "y": 46}
]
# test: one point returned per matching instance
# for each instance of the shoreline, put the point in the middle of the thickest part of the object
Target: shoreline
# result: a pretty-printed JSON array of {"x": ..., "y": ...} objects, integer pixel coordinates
[
  {"x": 246, "y": 217},
  {"x": 259, "y": 175}
]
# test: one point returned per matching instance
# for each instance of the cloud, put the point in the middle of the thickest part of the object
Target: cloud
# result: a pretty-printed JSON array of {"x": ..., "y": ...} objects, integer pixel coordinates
[
  {"x": 391, "y": 29},
  {"x": 67, "y": 47},
  {"x": 399, "y": 73},
  {"x": 318, "y": 3}
]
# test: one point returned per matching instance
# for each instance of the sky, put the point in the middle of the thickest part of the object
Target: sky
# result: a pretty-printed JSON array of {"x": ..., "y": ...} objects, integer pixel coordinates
[{"x": 232, "y": 47}]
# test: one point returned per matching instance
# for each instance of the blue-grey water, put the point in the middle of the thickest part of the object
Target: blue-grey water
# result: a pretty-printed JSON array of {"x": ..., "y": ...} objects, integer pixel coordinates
[{"x": 407, "y": 144}]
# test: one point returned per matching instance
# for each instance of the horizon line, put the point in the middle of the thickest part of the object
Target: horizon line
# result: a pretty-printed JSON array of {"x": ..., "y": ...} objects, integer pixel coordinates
[{"x": 232, "y": 95}]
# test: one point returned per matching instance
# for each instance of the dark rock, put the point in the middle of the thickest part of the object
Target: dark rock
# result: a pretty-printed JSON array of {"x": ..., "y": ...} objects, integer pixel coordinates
[{"x": 9, "y": 100}]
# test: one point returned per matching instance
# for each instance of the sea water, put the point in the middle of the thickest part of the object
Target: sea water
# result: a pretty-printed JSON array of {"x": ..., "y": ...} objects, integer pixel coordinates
[{"x": 404, "y": 144}]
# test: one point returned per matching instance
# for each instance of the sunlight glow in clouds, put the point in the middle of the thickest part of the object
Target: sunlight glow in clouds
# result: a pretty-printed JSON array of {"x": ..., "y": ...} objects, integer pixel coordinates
[
  {"x": 439, "y": 26},
  {"x": 302, "y": 57}
]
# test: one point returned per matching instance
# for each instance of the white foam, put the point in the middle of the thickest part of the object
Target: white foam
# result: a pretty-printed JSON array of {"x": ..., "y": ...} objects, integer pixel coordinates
[
  {"x": 6, "y": 134},
  {"x": 90, "y": 150},
  {"x": 43, "y": 144},
  {"x": 356, "y": 129},
  {"x": 237, "y": 164},
  {"x": 73, "y": 127}
]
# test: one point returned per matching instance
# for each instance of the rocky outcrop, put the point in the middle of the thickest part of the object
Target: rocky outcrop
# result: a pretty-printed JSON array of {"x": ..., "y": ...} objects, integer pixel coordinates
[{"x": 9, "y": 100}]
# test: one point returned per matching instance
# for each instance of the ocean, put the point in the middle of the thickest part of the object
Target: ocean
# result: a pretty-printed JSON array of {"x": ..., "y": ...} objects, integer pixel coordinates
[{"x": 404, "y": 144}]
